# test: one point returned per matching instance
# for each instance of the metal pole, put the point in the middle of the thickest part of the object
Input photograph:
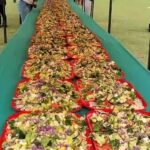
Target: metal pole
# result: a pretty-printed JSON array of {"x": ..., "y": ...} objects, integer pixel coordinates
[
  {"x": 0, "y": 19},
  {"x": 92, "y": 9},
  {"x": 149, "y": 57},
  {"x": 110, "y": 16},
  {"x": 84, "y": 5},
  {"x": 20, "y": 21},
  {"x": 5, "y": 26}
]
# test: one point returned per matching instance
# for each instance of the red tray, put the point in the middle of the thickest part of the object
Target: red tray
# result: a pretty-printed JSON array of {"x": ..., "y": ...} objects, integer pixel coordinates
[
  {"x": 14, "y": 116},
  {"x": 13, "y": 104},
  {"x": 71, "y": 59},
  {"x": 107, "y": 111},
  {"x": 136, "y": 92}
]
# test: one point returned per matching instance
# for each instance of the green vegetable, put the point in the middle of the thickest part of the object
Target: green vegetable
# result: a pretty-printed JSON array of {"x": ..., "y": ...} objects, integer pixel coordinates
[
  {"x": 114, "y": 143},
  {"x": 132, "y": 95},
  {"x": 20, "y": 133},
  {"x": 130, "y": 130},
  {"x": 68, "y": 122},
  {"x": 83, "y": 123},
  {"x": 11, "y": 124},
  {"x": 139, "y": 140},
  {"x": 37, "y": 143},
  {"x": 74, "y": 95},
  {"x": 64, "y": 88},
  {"x": 108, "y": 130},
  {"x": 45, "y": 141},
  {"x": 57, "y": 118},
  {"x": 99, "y": 101},
  {"x": 49, "y": 143},
  {"x": 119, "y": 73},
  {"x": 30, "y": 136},
  {"x": 75, "y": 79},
  {"x": 96, "y": 127}
]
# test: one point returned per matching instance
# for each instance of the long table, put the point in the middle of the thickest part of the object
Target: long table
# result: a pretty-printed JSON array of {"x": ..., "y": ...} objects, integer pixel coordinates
[{"x": 15, "y": 54}]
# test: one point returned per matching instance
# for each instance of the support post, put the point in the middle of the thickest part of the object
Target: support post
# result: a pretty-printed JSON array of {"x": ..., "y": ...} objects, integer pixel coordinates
[
  {"x": 110, "y": 16},
  {"x": 5, "y": 25},
  {"x": 92, "y": 9},
  {"x": 82, "y": 3},
  {"x": 148, "y": 66}
]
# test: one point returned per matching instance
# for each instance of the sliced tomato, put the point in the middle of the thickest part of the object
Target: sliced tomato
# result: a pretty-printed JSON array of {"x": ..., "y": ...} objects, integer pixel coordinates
[
  {"x": 105, "y": 147},
  {"x": 131, "y": 102},
  {"x": 55, "y": 105},
  {"x": 107, "y": 103}
]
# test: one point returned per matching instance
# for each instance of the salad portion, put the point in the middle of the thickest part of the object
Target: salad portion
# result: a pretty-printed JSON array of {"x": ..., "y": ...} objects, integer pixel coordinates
[
  {"x": 121, "y": 129},
  {"x": 38, "y": 95},
  {"x": 97, "y": 70},
  {"x": 46, "y": 69},
  {"x": 44, "y": 51},
  {"x": 46, "y": 131},
  {"x": 112, "y": 93}
]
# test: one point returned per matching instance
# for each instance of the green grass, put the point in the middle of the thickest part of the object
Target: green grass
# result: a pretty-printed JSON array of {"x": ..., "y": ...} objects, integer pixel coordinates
[
  {"x": 130, "y": 21},
  {"x": 13, "y": 22}
]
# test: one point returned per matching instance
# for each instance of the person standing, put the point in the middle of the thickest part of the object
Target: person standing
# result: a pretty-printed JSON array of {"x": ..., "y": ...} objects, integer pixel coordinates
[
  {"x": 25, "y": 7},
  {"x": 3, "y": 13}
]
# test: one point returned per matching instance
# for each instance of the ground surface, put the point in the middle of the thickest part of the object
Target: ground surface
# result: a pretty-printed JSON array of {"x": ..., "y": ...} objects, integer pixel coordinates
[{"x": 129, "y": 23}]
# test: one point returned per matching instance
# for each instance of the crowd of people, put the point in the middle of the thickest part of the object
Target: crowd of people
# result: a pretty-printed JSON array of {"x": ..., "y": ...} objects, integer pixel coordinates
[{"x": 24, "y": 6}]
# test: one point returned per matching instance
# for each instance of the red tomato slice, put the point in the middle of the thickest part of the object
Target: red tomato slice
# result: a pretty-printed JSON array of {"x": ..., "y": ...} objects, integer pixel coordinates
[
  {"x": 55, "y": 105},
  {"x": 106, "y": 147},
  {"x": 131, "y": 102}
]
